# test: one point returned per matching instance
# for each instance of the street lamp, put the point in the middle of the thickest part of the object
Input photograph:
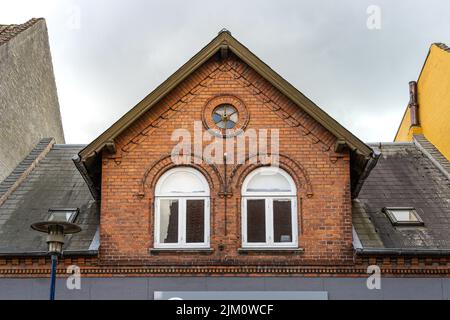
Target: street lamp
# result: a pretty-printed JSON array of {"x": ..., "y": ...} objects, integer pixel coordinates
[{"x": 58, "y": 224}]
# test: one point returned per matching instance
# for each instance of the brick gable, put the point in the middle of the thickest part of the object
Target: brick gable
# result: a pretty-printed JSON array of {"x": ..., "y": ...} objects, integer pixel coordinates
[{"x": 306, "y": 152}]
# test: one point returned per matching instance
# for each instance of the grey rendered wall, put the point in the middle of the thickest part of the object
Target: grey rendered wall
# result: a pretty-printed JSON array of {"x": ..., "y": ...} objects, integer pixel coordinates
[
  {"x": 29, "y": 108},
  {"x": 143, "y": 288}
]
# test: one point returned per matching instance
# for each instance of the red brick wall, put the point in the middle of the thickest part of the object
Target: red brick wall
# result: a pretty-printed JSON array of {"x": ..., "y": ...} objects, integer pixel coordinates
[{"x": 306, "y": 149}]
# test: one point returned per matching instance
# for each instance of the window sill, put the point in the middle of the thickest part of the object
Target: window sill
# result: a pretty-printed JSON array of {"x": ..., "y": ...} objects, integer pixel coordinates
[
  {"x": 181, "y": 250},
  {"x": 271, "y": 250}
]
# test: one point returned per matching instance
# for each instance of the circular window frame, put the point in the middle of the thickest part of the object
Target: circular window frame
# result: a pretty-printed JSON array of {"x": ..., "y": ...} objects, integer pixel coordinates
[{"x": 225, "y": 99}]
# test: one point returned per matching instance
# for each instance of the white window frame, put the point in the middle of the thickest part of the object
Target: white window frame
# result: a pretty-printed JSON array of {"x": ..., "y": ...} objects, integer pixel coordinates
[
  {"x": 269, "y": 198},
  {"x": 182, "y": 199}
]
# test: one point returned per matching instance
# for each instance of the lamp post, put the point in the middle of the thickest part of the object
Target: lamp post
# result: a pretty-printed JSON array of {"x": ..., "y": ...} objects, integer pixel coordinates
[{"x": 59, "y": 223}]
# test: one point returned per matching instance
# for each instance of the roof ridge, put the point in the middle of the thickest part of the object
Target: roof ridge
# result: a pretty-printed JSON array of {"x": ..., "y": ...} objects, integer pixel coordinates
[
  {"x": 389, "y": 143},
  {"x": 68, "y": 145},
  {"x": 442, "y": 46},
  {"x": 225, "y": 40},
  {"x": 24, "y": 168},
  {"x": 9, "y": 31},
  {"x": 432, "y": 153}
]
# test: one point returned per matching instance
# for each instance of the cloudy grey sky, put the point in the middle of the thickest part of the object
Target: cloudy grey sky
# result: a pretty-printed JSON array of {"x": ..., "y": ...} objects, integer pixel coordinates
[{"x": 108, "y": 55}]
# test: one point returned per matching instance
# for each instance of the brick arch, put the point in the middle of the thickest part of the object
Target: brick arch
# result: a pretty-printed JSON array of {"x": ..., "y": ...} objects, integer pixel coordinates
[
  {"x": 157, "y": 168},
  {"x": 294, "y": 168}
]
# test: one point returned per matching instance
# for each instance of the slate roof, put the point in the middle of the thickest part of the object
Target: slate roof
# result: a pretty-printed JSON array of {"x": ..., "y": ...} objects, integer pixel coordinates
[
  {"x": 22, "y": 167},
  {"x": 54, "y": 183},
  {"x": 428, "y": 148},
  {"x": 9, "y": 31},
  {"x": 404, "y": 176}
]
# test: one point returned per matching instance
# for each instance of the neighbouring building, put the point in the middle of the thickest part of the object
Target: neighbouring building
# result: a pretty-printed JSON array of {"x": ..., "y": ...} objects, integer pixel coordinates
[
  {"x": 428, "y": 112},
  {"x": 303, "y": 218},
  {"x": 29, "y": 108}
]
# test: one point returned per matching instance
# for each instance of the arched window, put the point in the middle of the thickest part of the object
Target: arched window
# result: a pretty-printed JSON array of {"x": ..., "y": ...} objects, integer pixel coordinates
[
  {"x": 182, "y": 209},
  {"x": 269, "y": 209}
]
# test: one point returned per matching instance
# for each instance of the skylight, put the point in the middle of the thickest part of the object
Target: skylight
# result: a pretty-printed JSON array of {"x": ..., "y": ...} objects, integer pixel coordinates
[
  {"x": 63, "y": 215},
  {"x": 403, "y": 216}
]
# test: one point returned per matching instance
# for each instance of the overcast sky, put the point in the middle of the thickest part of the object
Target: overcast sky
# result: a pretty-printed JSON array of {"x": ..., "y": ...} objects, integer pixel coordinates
[{"x": 108, "y": 55}]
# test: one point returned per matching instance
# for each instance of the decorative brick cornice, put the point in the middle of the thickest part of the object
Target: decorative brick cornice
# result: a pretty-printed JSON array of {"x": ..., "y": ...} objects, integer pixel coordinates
[
  {"x": 396, "y": 266},
  {"x": 157, "y": 271}
]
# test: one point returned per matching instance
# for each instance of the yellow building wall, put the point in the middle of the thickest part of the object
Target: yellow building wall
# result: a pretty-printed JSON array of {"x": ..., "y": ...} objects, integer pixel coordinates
[
  {"x": 433, "y": 94},
  {"x": 403, "y": 133}
]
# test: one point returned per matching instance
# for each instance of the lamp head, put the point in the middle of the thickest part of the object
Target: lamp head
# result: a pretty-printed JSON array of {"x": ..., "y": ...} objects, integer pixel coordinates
[
  {"x": 55, "y": 230},
  {"x": 59, "y": 223}
]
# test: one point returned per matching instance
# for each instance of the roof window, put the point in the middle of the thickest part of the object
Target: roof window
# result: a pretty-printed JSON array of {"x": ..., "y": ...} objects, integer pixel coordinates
[
  {"x": 63, "y": 214},
  {"x": 403, "y": 216}
]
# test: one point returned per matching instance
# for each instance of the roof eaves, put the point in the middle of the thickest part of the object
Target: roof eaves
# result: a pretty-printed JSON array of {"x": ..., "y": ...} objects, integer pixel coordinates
[{"x": 402, "y": 251}]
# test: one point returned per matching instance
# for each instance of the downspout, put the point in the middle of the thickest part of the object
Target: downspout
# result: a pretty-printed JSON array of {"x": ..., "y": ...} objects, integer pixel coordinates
[{"x": 225, "y": 191}]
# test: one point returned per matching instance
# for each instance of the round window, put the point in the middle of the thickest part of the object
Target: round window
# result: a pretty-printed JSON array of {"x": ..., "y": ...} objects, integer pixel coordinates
[{"x": 225, "y": 116}]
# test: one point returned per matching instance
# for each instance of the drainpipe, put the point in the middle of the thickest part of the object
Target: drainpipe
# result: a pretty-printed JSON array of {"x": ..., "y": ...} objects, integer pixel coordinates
[
  {"x": 225, "y": 187},
  {"x": 413, "y": 105}
]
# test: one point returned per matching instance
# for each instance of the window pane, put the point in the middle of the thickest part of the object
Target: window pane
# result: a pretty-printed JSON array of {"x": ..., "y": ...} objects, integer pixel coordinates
[
  {"x": 168, "y": 221},
  {"x": 195, "y": 221},
  {"x": 256, "y": 221},
  {"x": 282, "y": 221},
  {"x": 269, "y": 181},
  {"x": 181, "y": 182},
  {"x": 404, "y": 215},
  {"x": 62, "y": 215}
]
